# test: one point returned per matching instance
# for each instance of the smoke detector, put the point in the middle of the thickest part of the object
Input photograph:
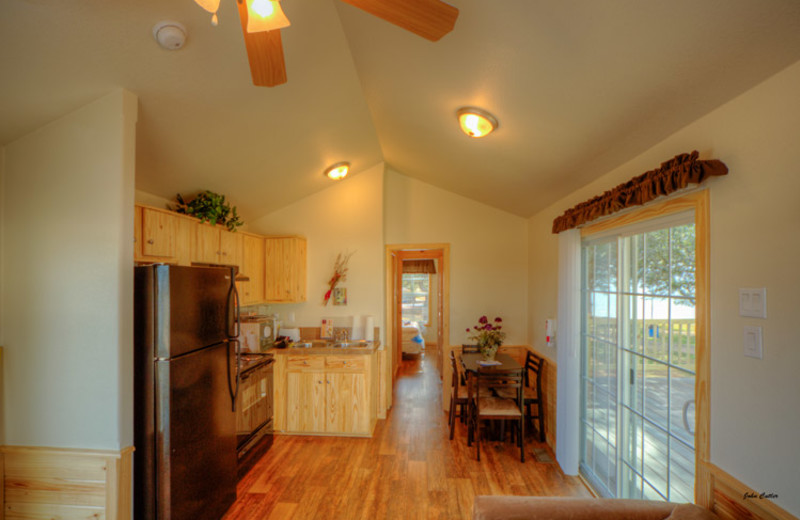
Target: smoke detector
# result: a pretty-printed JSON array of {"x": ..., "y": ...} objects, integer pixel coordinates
[{"x": 169, "y": 35}]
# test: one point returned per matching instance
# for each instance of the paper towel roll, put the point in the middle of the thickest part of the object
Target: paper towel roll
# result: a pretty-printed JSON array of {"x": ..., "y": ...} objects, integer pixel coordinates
[{"x": 369, "y": 328}]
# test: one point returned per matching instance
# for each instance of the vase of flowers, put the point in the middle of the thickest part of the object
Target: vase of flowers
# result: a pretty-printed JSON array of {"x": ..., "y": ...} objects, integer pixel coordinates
[{"x": 488, "y": 336}]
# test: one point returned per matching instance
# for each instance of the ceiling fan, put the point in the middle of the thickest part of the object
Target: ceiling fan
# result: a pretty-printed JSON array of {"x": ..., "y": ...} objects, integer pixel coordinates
[{"x": 263, "y": 19}]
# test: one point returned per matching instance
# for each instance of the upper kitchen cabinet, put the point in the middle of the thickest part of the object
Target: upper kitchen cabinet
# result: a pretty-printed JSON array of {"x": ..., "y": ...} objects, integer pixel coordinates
[
  {"x": 285, "y": 269},
  {"x": 162, "y": 236},
  {"x": 253, "y": 260},
  {"x": 215, "y": 245}
]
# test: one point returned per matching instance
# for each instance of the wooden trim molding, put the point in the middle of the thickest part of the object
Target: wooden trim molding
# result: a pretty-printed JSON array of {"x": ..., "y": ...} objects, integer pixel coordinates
[
  {"x": 394, "y": 254},
  {"x": 728, "y": 497},
  {"x": 41, "y": 482},
  {"x": 699, "y": 202}
]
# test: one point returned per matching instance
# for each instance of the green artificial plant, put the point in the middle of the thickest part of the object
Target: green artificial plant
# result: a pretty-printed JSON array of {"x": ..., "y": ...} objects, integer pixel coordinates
[{"x": 209, "y": 207}]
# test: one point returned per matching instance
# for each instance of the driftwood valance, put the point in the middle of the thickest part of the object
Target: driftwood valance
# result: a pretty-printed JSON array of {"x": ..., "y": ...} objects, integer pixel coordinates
[
  {"x": 419, "y": 266},
  {"x": 673, "y": 175}
]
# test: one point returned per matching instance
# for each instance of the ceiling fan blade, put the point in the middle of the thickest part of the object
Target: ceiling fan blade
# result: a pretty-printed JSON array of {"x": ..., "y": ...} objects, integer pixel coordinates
[
  {"x": 430, "y": 19},
  {"x": 264, "y": 52}
]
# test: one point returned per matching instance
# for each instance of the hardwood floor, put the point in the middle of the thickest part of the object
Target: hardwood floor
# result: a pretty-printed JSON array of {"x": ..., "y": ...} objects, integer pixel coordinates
[{"x": 409, "y": 469}]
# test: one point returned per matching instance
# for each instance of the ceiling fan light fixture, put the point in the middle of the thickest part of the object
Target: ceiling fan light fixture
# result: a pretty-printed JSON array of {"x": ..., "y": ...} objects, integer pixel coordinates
[
  {"x": 337, "y": 171},
  {"x": 265, "y": 15},
  {"x": 212, "y": 6},
  {"x": 476, "y": 122}
]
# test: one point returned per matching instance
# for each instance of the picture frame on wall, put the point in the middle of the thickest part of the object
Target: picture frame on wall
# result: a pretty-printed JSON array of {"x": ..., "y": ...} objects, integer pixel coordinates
[{"x": 340, "y": 296}]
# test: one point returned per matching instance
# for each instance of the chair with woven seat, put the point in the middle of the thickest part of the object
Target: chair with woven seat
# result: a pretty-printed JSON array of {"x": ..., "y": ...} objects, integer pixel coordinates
[
  {"x": 532, "y": 391},
  {"x": 458, "y": 396},
  {"x": 485, "y": 405}
]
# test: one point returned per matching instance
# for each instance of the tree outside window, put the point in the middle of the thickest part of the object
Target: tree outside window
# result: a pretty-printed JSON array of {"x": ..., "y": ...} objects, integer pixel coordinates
[{"x": 416, "y": 298}]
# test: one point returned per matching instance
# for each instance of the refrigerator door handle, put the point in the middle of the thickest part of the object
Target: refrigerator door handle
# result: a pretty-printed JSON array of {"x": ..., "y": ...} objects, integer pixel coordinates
[
  {"x": 237, "y": 312},
  {"x": 233, "y": 386}
]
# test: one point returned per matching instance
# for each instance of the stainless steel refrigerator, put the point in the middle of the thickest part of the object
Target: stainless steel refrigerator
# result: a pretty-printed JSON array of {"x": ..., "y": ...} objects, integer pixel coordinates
[{"x": 185, "y": 386}]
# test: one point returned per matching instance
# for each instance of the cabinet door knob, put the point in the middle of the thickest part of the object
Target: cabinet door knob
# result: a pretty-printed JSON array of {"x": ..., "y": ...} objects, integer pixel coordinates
[{"x": 151, "y": 241}]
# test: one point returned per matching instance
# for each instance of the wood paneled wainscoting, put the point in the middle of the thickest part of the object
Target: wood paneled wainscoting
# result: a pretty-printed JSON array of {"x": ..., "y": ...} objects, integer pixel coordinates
[
  {"x": 68, "y": 484},
  {"x": 732, "y": 500},
  {"x": 518, "y": 352}
]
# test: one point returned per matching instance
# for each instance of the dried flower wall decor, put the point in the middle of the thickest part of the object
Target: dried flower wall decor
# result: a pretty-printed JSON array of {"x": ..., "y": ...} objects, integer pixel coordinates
[{"x": 339, "y": 275}]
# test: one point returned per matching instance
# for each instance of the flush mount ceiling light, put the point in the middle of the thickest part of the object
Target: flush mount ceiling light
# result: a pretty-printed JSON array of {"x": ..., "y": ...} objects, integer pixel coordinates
[
  {"x": 337, "y": 171},
  {"x": 476, "y": 122}
]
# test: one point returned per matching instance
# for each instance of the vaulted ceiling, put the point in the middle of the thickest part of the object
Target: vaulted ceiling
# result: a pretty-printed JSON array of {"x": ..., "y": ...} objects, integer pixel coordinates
[{"x": 579, "y": 87}]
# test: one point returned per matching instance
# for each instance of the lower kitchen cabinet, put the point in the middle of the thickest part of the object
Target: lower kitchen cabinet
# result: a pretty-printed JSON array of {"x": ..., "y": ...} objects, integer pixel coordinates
[
  {"x": 326, "y": 394},
  {"x": 305, "y": 393}
]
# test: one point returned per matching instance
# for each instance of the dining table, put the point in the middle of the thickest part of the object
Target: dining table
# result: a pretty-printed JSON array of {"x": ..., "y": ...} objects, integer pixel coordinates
[{"x": 471, "y": 362}]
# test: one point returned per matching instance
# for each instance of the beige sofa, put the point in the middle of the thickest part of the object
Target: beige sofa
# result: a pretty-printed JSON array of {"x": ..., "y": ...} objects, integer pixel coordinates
[{"x": 567, "y": 508}]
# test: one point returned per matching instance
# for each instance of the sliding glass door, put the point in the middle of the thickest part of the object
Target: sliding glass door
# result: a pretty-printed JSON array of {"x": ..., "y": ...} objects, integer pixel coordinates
[{"x": 638, "y": 362}]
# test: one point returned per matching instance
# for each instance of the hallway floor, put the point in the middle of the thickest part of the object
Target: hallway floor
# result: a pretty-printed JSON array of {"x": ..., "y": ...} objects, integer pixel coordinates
[{"x": 409, "y": 469}]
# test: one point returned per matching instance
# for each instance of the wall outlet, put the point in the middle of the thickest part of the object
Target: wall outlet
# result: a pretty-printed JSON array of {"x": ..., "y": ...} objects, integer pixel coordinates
[{"x": 753, "y": 346}]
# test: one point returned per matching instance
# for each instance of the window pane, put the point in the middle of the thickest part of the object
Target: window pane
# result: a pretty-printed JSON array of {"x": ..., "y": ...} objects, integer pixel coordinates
[
  {"x": 682, "y": 332},
  {"x": 681, "y": 472},
  {"x": 655, "y": 460},
  {"x": 682, "y": 262},
  {"x": 655, "y": 392},
  {"x": 416, "y": 297},
  {"x": 682, "y": 405},
  {"x": 656, "y": 328},
  {"x": 656, "y": 262}
]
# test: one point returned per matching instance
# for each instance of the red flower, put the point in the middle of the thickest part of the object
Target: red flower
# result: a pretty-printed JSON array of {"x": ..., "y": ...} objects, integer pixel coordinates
[
  {"x": 498, "y": 320},
  {"x": 483, "y": 319}
]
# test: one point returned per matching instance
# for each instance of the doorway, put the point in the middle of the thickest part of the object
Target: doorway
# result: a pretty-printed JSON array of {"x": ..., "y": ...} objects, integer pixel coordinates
[{"x": 435, "y": 300}]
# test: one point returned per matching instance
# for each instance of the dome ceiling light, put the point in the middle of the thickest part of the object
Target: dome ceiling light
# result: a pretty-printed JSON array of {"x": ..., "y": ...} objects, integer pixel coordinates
[
  {"x": 337, "y": 171},
  {"x": 476, "y": 122}
]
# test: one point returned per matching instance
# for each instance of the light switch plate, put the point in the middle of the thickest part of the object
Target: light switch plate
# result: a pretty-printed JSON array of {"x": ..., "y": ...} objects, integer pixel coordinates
[
  {"x": 753, "y": 302},
  {"x": 753, "y": 346}
]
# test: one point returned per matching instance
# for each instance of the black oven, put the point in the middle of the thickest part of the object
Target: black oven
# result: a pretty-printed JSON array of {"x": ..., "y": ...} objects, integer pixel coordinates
[{"x": 254, "y": 409}]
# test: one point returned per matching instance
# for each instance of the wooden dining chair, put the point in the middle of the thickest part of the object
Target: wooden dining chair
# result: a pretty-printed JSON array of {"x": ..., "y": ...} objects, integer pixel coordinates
[
  {"x": 531, "y": 392},
  {"x": 485, "y": 405},
  {"x": 458, "y": 396}
]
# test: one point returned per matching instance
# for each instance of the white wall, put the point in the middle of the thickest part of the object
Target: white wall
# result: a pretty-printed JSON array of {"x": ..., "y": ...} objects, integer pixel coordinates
[
  {"x": 755, "y": 212},
  {"x": 67, "y": 299},
  {"x": 488, "y": 252},
  {"x": 347, "y": 217},
  {"x": 148, "y": 199}
]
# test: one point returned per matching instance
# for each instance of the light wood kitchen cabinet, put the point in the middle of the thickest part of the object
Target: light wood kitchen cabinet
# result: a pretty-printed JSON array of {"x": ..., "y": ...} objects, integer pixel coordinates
[
  {"x": 162, "y": 236},
  {"x": 285, "y": 269},
  {"x": 253, "y": 266},
  {"x": 158, "y": 233},
  {"x": 214, "y": 245},
  {"x": 333, "y": 394},
  {"x": 306, "y": 393}
]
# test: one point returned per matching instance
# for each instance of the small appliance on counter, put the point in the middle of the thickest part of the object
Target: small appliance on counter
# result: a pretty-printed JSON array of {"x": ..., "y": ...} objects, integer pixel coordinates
[
  {"x": 293, "y": 333},
  {"x": 258, "y": 332}
]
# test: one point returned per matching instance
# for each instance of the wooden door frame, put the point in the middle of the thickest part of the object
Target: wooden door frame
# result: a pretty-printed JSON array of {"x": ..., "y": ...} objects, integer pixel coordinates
[
  {"x": 699, "y": 202},
  {"x": 395, "y": 252}
]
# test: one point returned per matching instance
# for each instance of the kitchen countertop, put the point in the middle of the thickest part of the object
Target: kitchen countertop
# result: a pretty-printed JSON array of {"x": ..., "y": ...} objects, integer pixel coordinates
[{"x": 320, "y": 347}]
